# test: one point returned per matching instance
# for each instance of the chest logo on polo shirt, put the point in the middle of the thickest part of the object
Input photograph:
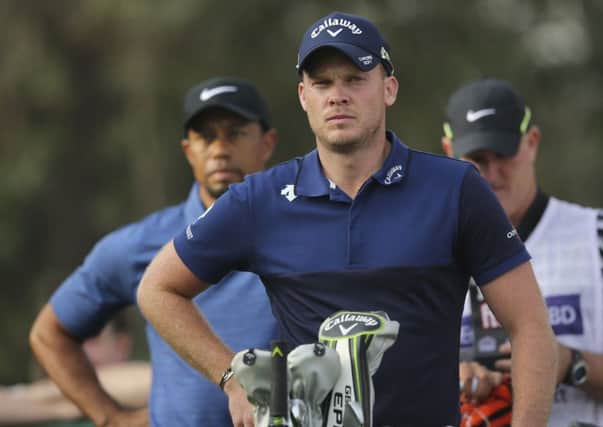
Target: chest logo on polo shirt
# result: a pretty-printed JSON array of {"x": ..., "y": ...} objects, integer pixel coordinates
[
  {"x": 288, "y": 192},
  {"x": 393, "y": 174}
]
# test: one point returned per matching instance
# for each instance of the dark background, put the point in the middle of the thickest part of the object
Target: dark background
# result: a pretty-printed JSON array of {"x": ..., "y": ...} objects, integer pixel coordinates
[{"x": 90, "y": 95}]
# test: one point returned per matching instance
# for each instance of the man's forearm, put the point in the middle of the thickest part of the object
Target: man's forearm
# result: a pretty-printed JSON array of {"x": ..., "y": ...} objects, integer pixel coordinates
[
  {"x": 179, "y": 322},
  {"x": 66, "y": 363},
  {"x": 18, "y": 406},
  {"x": 534, "y": 364},
  {"x": 594, "y": 363}
]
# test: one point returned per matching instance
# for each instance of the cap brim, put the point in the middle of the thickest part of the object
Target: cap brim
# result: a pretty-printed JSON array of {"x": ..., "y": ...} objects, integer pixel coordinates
[
  {"x": 224, "y": 105},
  {"x": 354, "y": 53},
  {"x": 505, "y": 143}
]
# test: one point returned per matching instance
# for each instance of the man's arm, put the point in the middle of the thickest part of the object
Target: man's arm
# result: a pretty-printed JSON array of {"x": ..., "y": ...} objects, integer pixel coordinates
[
  {"x": 42, "y": 401},
  {"x": 517, "y": 303},
  {"x": 19, "y": 407},
  {"x": 65, "y": 361},
  {"x": 165, "y": 297}
]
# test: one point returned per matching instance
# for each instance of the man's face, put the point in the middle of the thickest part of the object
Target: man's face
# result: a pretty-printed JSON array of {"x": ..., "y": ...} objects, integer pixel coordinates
[
  {"x": 222, "y": 147},
  {"x": 512, "y": 178},
  {"x": 345, "y": 105}
]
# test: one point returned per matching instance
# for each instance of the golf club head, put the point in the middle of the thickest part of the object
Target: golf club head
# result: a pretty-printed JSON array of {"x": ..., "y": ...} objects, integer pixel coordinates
[
  {"x": 253, "y": 370},
  {"x": 360, "y": 339},
  {"x": 353, "y": 415},
  {"x": 314, "y": 369}
]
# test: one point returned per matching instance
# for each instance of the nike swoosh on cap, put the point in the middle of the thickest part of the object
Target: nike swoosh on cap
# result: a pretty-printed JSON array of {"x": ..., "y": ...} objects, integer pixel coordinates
[
  {"x": 473, "y": 116},
  {"x": 210, "y": 93}
]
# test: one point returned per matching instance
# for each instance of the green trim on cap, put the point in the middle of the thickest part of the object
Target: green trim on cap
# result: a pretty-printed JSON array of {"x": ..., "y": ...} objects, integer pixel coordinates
[
  {"x": 527, "y": 115},
  {"x": 447, "y": 130}
]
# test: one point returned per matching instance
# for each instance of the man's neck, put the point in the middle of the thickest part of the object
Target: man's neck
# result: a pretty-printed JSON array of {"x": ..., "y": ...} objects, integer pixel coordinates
[
  {"x": 526, "y": 201},
  {"x": 349, "y": 171},
  {"x": 206, "y": 199},
  {"x": 532, "y": 217}
]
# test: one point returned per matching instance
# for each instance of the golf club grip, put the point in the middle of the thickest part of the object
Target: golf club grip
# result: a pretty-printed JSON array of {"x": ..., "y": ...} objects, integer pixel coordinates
[{"x": 279, "y": 405}]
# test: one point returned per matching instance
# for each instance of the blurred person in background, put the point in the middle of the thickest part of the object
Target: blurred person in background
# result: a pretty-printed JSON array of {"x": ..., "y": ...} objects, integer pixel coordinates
[
  {"x": 490, "y": 126},
  {"x": 227, "y": 135},
  {"x": 127, "y": 381}
]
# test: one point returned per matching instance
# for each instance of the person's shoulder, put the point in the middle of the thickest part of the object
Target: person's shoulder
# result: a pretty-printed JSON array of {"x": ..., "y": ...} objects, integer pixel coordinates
[
  {"x": 439, "y": 159},
  {"x": 274, "y": 177},
  {"x": 285, "y": 170},
  {"x": 574, "y": 210},
  {"x": 438, "y": 166},
  {"x": 158, "y": 225},
  {"x": 573, "y": 207}
]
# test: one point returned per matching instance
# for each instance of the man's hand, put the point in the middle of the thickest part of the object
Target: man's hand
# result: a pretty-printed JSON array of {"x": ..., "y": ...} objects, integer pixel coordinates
[
  {"x": 128, "y": 418},
  {"x": 477, "y": 382},
  {"x": 504, "y": 364},
  {"x": 241, "y": 411}
]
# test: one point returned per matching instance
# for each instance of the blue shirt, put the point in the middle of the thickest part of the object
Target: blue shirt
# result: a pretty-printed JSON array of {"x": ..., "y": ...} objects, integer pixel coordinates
[
  {"x": 407, "y": 244},
  {"x": 238, "y": 310}
]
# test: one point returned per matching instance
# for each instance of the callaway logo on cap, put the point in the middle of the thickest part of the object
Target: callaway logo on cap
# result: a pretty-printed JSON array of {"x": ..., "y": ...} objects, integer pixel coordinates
[
  {"x": 235, "y": 95},
  {"x": 486, "y": 114},
  {"x": 355, "y": 36}
]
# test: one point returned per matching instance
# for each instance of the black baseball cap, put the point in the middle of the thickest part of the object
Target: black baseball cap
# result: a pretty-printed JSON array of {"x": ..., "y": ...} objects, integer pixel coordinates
[
  {"x": 355, "y": 36},
  {"x": 486, "y": 114},
  {"x": 232, "y": 94}
]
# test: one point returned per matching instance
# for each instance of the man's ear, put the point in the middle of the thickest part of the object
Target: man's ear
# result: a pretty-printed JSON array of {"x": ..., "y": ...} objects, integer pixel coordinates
[
  {"x": 300, "y": 95},
  {"x": 391, "y": 90},
  {"x": 185, "y": 144},
  {"x": 533, "y": 136},
  {"x": 447, "y": 146},
  {"x": 269, "y": 141}
]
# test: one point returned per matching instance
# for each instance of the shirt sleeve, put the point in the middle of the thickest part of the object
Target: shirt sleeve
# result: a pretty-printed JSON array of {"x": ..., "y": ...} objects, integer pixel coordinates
[
  {"x": 220, "y": 240},
  {"x": 97, "y": 289},
  {"x": 489, "y": 245}
]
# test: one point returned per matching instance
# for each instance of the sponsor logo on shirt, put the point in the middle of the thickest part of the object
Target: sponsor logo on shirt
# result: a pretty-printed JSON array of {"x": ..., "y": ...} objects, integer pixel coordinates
[
  {"x": 288, "y": 191},
  {"x": 393, "y": 175},
  {"x": 565, "y": 314},
  {"x": 511, "y": 234}
]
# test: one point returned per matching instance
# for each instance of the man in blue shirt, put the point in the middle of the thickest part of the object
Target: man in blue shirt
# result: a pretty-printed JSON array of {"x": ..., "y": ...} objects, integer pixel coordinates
[
  {"x": 227, "y": 135},
  {"x": 361, "y": 223}
]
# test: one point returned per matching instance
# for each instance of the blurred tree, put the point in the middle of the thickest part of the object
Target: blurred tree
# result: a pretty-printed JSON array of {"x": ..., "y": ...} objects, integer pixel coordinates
[{"x": 91, "y": 99}]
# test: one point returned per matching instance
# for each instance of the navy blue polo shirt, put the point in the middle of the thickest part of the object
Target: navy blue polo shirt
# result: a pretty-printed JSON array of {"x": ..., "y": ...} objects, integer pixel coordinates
[
  {"x": 107, "y": 281},
  {"x": 407, "y": 245}
]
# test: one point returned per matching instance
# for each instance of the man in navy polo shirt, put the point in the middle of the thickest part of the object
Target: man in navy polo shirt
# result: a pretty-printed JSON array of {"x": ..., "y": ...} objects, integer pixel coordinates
[
  {"x": 361, "y": 223},
  {"x": 227, "y": 135}
]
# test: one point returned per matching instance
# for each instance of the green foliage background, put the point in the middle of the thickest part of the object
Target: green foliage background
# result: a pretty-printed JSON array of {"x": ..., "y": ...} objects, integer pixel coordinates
[{"x": 90, "y": 94}]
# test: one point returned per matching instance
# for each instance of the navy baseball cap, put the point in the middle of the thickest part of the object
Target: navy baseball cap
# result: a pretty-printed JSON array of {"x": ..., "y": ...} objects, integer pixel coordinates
[
  {"x": 486, "y": 114},
  {"x": 232, "y": 94},
  {"x": 355, "y": 36}
]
